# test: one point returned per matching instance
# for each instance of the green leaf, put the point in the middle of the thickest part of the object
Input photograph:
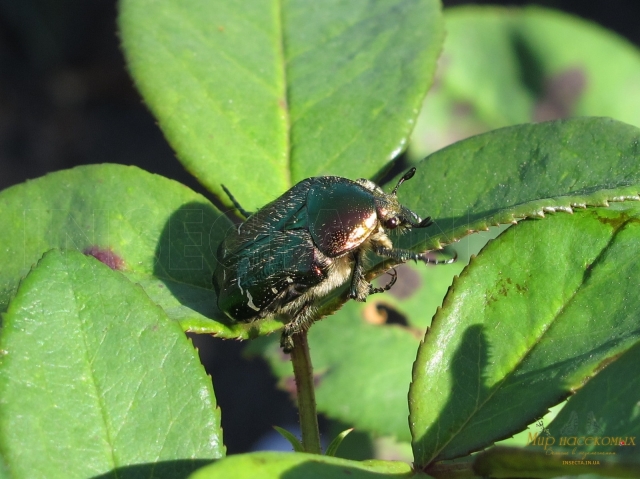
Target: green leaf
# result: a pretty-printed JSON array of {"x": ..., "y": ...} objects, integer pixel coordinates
[
  {"x": 335, "y": 444},
  {"x": 502, "y": 66},
  {"x": 302, "y": 466},
  {"x": 94, "y": 377},
  {"x": 293, "y": 440},
  {"x": 533, "y": 315},
  {"x": 607, "y": 408},
  {"x": 522, "y": 171},
  {"x": 158, "y": 232},
  {"x": 286, "y": 90}
]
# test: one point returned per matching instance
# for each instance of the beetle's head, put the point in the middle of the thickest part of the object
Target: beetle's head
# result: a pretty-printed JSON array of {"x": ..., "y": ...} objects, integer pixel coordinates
[{"x": 394, "y": 215}]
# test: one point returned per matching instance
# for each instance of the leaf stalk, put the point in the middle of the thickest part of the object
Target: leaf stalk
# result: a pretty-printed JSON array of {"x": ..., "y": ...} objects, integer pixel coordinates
[{"x": 303, "y": 373}]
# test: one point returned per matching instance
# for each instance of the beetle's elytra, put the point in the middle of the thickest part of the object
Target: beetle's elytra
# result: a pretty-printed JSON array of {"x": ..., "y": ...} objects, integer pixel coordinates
[{"x": 304, "y": 244}]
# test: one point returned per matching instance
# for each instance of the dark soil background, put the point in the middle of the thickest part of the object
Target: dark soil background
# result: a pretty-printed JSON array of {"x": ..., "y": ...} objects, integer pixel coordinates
[{"x": 66, "y": 100}]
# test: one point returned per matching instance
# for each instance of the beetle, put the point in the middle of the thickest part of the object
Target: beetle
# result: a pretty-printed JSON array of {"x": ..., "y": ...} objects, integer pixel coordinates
[{"x": 286, "y": 256}]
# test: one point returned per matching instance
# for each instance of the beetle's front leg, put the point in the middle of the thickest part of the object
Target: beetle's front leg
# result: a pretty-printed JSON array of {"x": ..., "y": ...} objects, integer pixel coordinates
[
  {"x": 360, "y": 287},
  {"x": 406, "y": 255}
]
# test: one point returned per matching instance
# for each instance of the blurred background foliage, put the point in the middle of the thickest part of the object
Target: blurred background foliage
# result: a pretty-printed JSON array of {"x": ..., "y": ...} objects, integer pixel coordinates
[{"x": 66, "y": 99}]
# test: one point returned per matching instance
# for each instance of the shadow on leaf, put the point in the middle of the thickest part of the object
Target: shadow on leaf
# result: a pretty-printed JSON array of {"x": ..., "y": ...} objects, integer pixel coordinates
[{"x": 177, "y": 469}]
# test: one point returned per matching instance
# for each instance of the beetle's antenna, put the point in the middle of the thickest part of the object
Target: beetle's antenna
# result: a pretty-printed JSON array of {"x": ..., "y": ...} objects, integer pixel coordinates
[
  {"x": 242, "y": 211},
  {"x": 407, "y": 176}
]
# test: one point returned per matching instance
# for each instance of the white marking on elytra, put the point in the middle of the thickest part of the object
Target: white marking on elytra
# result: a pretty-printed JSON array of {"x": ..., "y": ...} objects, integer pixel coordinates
[
  {"x": 250, "y": 302},
  {"x": 274, "y": 290},
  {"x": 289, "y": 279}
]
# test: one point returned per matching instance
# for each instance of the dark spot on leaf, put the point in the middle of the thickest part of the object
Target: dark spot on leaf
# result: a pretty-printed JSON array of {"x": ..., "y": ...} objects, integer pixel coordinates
[
  {"x": 521, "y": 289},
  {"x": 373, "y": 315},
  {"x": 560, "y": 94},
  {"x": 378, "y": 313},
  {"x": 616, "y": 222},
  {"x": 462, "y": 109},
  {"x": 502, "y": 287},
  {"x": 393, "y": 315},
  {"x": 106, "y": 256}
]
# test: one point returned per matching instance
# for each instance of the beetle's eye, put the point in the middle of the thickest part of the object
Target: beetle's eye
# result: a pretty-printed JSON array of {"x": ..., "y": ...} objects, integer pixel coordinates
[{"x": 391, "y": 223}]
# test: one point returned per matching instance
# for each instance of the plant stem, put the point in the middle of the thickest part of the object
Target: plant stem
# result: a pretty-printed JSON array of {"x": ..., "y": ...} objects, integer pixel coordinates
[{"x": 303, "y": 372}]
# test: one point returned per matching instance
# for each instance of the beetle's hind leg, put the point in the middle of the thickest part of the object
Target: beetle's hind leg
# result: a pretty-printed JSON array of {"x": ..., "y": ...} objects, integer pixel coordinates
[{"x": 301, "y": 322}]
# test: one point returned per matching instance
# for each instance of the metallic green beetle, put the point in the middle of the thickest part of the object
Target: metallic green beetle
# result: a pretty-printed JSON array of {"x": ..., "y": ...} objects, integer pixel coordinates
[{"x": 309, "y": 241}]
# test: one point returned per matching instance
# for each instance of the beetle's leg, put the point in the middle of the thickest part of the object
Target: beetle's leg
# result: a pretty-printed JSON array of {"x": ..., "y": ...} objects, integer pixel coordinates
[
  {"x": 286, "y": 341},
  {"x": 242, "y": 211},
  {"x": 360, "y": 288},
  {"x": 406, "y": 255},
  {"x": 386, "y": 287},
  {"x": 302, "y": 321}
]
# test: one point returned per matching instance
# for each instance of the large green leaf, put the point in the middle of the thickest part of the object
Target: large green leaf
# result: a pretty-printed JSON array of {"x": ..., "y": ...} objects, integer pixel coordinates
[
  {"x": 156, "y": 231},
  {"x": 522, "y": 171},
  {"x": 94, "y": 377},
  {"x": 303, "y": 466},
  {"x": 285, "y": 90},
  {"x": 533, "y": 315},
  {"x": 502, "y": 66}
]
